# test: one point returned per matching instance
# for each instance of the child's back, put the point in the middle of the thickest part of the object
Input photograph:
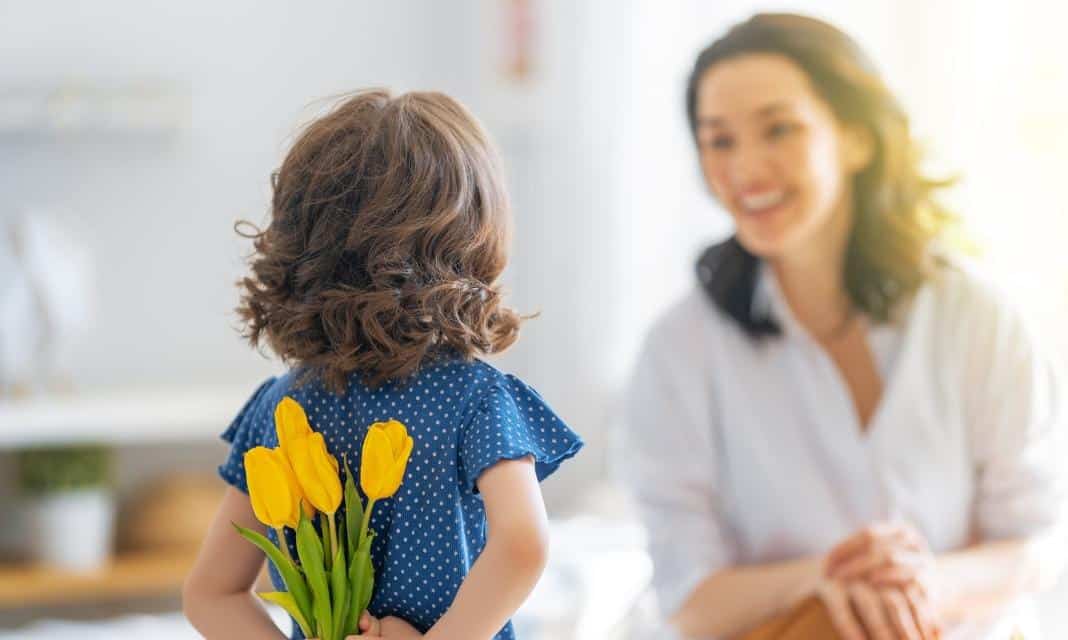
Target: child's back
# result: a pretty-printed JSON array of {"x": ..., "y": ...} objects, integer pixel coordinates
[{"x": 464, "y": 418}]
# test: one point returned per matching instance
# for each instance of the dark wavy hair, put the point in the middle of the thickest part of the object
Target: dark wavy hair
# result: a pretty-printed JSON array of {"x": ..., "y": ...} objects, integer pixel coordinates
[
  {"x": 896, "y": 218},
  {"x": 389, "y": 227}
]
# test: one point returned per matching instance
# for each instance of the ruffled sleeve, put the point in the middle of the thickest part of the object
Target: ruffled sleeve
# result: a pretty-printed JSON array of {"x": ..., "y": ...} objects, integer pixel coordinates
[
  {"x": 249, "y": 429},
  {"x": 512, "y": 421}
]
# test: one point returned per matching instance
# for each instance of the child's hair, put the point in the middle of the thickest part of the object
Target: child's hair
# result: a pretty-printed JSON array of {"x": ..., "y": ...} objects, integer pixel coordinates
[{"x": 389, "y": 227}]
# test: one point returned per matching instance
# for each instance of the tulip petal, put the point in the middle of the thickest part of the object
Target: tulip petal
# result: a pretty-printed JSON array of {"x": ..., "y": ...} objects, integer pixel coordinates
[
  {"x": 291, "y": 422},
  {"x": 375, "y": 462},
  {"x": 398, "y": 467},
  {"x": 397, "y": 433},
  {"x": 271, "y": 487},
  {"x": 315, "y": 469}
]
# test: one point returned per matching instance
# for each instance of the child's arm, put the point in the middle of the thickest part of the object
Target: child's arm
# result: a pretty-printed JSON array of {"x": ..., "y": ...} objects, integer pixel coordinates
[
  {"x": 517, "y": 548},
  {"x": 217, "y": 597}
]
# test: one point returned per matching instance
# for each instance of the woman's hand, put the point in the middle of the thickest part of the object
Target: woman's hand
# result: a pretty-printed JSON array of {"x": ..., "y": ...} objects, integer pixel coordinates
[
  {"x": 860, "y": 611},
  {"x": 883, "y": 554},
  {"x": 886, "y": 574}
]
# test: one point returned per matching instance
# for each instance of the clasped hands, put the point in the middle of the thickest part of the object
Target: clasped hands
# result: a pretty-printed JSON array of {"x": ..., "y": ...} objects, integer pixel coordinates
[{"x": 880, "y": 584}]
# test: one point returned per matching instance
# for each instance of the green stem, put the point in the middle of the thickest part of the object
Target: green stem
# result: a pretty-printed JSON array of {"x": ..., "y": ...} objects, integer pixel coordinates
[
  {"x": 282, "y": 544},
  {"x": 366, "y": 521},
  {"x": 333, "y": 536},
  {"x": 324, "y": 534}
]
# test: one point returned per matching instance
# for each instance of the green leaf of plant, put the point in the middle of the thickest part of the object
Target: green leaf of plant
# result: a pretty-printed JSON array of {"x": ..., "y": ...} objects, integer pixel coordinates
[
  {"x": 368, "y": 587},
  {"x": 324, "y": 529},
  {"x": 285, "y": 600},
  {"x": 339, "y": 591},
  {"x": 291, "y": 575},
  {"x": 310, "y": 550},
  {"x": 353, "y": 511}
]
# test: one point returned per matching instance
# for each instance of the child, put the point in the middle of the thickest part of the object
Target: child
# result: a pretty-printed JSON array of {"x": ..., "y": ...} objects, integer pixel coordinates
[{"x": 375, "y": 283}]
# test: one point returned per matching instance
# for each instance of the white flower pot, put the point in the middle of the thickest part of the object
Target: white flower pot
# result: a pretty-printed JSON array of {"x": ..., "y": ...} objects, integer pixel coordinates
[{"x": 72, "y": 530}]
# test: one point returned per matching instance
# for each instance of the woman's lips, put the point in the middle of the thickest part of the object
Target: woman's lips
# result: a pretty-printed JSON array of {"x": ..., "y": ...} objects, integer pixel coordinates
[{"x": 764, "y": 203}]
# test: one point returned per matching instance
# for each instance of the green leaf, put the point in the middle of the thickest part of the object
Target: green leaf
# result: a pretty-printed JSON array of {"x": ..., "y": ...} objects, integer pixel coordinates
[
  {"x": 285, "y": 600},
  {"x": 353, "y": 511},
  {"x": 339, "y": 591},
  {"x": 290, "y": 573},
  {"x": 361, "y": 584},
  {"x": 310, "y": 550},
  {"x": 341, "y": 546},
  {"x": 368, "y": 587},
  {"x": 356, "y": 584},
  {"x": 324, "y": 529}
]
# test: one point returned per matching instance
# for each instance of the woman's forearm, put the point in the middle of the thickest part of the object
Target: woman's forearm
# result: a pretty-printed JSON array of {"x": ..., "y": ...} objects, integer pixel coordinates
[
  {"x": 238, "y": 616},
  {"x": 498, "y": 583},
  {"x": 733, "y": 600},
  {"x": 990, "y": 574}
]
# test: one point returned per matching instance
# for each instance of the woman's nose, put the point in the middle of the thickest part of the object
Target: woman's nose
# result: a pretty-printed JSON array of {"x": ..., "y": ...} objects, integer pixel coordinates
[{"x": 749, "y": 164}]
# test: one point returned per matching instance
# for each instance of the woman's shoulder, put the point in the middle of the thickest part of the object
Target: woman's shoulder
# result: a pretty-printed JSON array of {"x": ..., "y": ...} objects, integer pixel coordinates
[{"x": 963, "y": 292}]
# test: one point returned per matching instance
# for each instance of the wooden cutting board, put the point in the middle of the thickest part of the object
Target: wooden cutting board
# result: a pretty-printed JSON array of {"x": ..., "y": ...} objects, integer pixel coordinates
[{"x": 808, "y": 620}]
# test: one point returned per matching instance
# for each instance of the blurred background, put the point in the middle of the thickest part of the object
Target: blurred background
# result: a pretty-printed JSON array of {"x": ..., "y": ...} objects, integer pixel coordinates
[{"x": 133, "y": 134}]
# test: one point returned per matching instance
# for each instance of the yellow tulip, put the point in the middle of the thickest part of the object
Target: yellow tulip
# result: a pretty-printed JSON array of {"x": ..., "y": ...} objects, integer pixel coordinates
[
  {"x": 386, "y": 450},
  {"x": 272, "y": 487},
  {"x": 291, "y": 423},
  {"x": 317, "y": 472}
]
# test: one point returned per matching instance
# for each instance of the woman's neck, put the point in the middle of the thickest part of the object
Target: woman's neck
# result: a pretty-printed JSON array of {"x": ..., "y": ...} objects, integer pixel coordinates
[
  {"x": 815, "y": 292},
  {"x": 812, "y": 280}
]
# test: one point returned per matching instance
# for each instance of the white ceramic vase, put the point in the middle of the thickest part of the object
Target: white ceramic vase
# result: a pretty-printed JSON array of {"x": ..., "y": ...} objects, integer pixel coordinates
[{"x": 72, "y": 530}]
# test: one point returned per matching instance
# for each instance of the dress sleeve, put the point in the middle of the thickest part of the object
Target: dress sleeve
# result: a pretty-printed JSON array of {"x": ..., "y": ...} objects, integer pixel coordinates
[
  {"x": 1017, "y": 425},
  {"x": 512, "y": 421},
  {"x": 249, "y": 429},
  {"x": 667, "y": 458}
]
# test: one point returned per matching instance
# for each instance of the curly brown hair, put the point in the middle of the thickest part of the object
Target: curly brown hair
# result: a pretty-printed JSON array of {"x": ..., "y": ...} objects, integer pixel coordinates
[{"x": 389, "y": 227}]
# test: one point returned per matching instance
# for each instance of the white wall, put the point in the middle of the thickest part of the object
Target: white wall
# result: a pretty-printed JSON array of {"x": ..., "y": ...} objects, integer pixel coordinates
[{"x": 157, "y": 213}]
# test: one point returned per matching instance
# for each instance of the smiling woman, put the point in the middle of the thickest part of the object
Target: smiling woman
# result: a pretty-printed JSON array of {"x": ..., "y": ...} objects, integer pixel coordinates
[
  {"x": 806, "y": 148},
  {"x": 840, "y": 412}
]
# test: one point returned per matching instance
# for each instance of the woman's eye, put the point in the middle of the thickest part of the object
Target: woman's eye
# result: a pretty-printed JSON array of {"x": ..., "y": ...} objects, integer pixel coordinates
[
  {"x": 719, "y": 142},
  {"x": 780, "y": 129}
]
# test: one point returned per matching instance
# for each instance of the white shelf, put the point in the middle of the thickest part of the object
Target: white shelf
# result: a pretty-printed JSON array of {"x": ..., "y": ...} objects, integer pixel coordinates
[
  {"x": 127, "y": 415},
  {"x": 134, "y": 108}
]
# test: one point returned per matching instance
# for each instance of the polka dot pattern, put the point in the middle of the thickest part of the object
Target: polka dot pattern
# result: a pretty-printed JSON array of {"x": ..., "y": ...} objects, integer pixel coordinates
[{"x": 464, "y": 417}]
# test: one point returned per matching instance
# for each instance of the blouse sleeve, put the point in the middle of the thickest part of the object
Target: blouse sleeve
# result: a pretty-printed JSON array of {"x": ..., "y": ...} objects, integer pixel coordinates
[
  {"x": 249, "y": 429},
  {"x": 668, "y": 460},
  {"x": 1017, "y": 427},
  {"x": 512, "y": 421}
]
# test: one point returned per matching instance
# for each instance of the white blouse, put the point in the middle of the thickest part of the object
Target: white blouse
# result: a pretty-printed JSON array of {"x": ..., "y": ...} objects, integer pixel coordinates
[{"x": 741, "y": 452}]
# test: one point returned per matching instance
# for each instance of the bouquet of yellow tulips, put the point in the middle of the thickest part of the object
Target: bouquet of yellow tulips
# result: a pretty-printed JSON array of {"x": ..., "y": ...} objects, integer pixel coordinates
[{"x": 330, "y": 583}]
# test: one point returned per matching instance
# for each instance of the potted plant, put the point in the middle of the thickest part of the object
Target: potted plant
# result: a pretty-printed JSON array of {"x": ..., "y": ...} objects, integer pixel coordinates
[{"x": 70, "y": 504}]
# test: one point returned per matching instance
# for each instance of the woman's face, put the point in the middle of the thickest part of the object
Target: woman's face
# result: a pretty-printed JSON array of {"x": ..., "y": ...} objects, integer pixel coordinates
[{"x": 775, "y": 156}]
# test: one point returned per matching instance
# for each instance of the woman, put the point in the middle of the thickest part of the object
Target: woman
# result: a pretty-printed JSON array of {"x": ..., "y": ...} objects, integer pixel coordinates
[{"x": 838, "y": 409}]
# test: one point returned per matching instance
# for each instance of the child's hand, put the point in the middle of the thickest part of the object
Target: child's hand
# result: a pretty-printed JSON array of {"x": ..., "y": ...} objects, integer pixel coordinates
[{"x": 390, "y": 628}]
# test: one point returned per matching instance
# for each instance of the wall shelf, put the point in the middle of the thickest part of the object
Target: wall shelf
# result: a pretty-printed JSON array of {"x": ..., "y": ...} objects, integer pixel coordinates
[
  {"x": 129, "y": 575},
  {"x": 127, "y": 415},
  {"x": 136, "y": 108}
]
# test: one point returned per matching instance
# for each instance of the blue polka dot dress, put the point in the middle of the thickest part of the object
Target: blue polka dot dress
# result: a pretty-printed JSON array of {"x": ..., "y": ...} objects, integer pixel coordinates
[{"x": 464, "y": 417}]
